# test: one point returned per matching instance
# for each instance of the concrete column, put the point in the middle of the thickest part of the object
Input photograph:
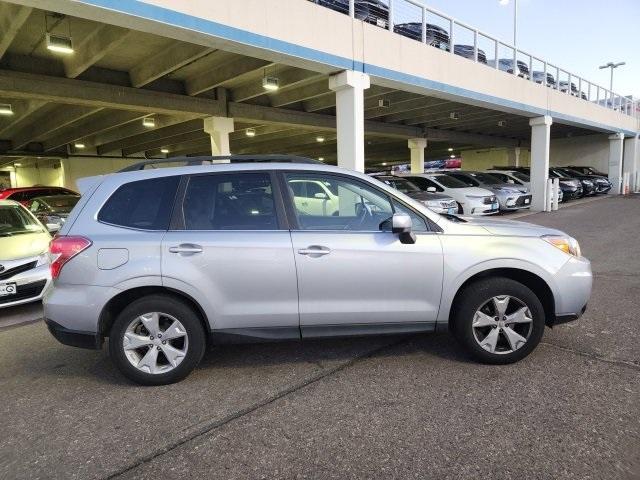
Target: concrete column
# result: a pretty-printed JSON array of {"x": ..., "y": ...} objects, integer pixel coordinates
[
  {"x": 616, "y": 143},
  {"x": 513, "y": 157},
  {"x": 417, "y": 146},
  {"x": 349, "y": 87},
  {"x": 219, "y": 129},
  {"x": 631, "y": 161},
  {"x": 540, "y": 142}
]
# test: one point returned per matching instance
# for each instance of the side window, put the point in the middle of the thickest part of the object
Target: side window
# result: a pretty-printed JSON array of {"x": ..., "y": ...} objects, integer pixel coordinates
[
  {"x": 463, "y": 178},
  {"x": 144, "y": 204},
  {"x": 425, "y": 183},
  {"x": 354, "y": 206},
  {"x": 239, "y": 201}
]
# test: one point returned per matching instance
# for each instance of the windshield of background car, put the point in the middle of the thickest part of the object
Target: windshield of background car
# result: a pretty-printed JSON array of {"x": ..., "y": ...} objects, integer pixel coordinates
[
  {"x": 405, "y": 186},
  {"x": 14, "y": 220},
  {"x": 61, "y": 204},
  {"x": 449, "y": 182},
  {"x": 522, "y": 176},
  {"x": 486, "y": 178}
]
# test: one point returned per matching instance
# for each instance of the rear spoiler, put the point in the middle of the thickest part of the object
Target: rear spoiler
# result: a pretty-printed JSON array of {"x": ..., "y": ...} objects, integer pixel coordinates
[{"x": 85, "y": 184}]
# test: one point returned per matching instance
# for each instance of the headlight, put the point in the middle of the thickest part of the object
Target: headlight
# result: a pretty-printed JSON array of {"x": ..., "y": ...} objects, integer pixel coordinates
[{"x": 567, "y": 244}]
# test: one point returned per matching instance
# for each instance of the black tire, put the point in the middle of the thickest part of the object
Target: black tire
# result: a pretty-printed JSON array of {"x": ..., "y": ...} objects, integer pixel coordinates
[
  {"x": 460, "y": 209},
  {"x": 166, "y": 304},
  {"x": 474, "y": 296}
]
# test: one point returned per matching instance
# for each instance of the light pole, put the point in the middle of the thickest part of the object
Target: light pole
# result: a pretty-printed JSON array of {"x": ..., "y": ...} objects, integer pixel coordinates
[
  {"x": 515, "y": 19},
  {"x": 612, "y": 66}
]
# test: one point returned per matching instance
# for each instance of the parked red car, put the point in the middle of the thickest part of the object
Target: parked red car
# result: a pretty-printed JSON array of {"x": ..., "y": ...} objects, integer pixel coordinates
[{"x": 24, "y": 194}]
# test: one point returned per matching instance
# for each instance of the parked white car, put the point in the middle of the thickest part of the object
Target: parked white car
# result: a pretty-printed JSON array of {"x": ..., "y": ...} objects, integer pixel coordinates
[
  {"x": 518, "y": 178},
  {"x": 471, "y": 200}
]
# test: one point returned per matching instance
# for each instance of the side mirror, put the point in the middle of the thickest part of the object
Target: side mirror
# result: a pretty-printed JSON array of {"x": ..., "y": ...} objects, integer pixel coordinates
[
  {"x": 53, "y": 227},
  {"x": 53, "y": 223},
  {"x": 321, "y": 196},
  {"x": 402, "y": 224},
  {"x": 431, "y": 189}
]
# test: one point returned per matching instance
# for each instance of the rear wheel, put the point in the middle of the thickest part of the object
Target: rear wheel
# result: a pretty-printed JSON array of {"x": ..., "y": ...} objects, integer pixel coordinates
[
  {"x": 498, "y": 320},
  {"x": 157, "y": 340}
]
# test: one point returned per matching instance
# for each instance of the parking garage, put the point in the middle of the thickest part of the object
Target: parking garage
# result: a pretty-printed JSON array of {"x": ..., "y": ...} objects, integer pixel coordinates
[{"x": 155, "y": 80}]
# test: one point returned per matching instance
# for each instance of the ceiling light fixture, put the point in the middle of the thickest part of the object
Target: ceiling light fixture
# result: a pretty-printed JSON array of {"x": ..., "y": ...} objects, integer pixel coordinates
[
  {"x": 454, "y": 116},
  {"x": 79, "y": 145},
  {"x": 502, "y": 123},
  {"x": 250, "y": 132},
  {"x": 319, "y": 139},
  {"x": 450, "y": 149},
  {"x": 59, "y": 43},
  {"x": 6, "y": 109},
  {"x": 164, "y": 150},
  {"x": 270, "y": 83},
  {"x": 17, "y": 164},
  {"x": 452, "y": 156},
  {"x": 321, "y": 159},
  {"x": 384, "y": 164},
  {"x": 384, "y": 103},
  {"x": 148, "y": 122}
]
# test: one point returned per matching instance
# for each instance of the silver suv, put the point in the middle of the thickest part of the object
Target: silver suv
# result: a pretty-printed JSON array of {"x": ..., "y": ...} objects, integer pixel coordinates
[{"x": 167, "y": 261}]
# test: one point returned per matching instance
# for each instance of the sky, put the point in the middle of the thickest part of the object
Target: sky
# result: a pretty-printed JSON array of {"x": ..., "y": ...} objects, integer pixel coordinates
[{"x": 576, "y": 35}]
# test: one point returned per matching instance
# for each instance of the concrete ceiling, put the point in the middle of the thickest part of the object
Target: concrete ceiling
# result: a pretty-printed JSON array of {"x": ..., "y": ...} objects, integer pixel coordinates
[{"x": 99, "y": 95}]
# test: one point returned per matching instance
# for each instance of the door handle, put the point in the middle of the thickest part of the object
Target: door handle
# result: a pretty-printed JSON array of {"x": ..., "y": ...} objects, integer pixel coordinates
[
  {"x": 187, "y": 248},
  {"x": 315, "y": 251}
]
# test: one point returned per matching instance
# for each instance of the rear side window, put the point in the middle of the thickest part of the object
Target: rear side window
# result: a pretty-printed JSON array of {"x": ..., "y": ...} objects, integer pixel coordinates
[
  {"x": 145, "y": 204},
  {"x": 242, "y": 201}
]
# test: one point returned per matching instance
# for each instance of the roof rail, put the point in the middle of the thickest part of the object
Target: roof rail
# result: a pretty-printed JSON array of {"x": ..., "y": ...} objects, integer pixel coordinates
[{"x": 198, "y": 161}]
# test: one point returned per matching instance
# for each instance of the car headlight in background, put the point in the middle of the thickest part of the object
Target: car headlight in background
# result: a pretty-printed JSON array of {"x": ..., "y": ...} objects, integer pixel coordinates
[{"x": 567, "y": 244}]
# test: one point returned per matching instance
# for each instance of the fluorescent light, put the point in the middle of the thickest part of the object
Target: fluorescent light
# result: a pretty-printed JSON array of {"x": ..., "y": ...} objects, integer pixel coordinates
[
  {"x": 320, "y": 138},
  {"x": 452, "y": 156},
  {"x": 270, "y": 83},
  {"x": 321, "y": 159},
  {"x": 250, "y": 132},
  {"x": 17, "y": 164},
  {"x": 384, "y": 164},
  {"x": 6, "y": 109},
  {"x": 79, "y": 146},
  {"x": 164, "y": 150},
  {"x": 149, "y": 122},
  {"x": 450, "y": 149},
  {"x": 59, "y": 43}
]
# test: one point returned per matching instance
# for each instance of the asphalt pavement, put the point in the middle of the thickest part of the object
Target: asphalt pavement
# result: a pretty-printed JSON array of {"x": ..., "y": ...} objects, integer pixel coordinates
[{"x": 388, "y": 407}]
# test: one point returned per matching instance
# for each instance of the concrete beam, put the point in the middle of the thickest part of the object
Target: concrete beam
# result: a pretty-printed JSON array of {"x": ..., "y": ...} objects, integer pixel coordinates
[
  {"x": 300, "y": 94},
  {"x": 436, "y": 135},
  {"x": 100, "y": 42},
  {"x": 100, "y": 122},
  {"x": 155, "y": 135},
  {"x": 223, "y": 73},
  {"x": 12, "y": 17},
  {"x": 165, "y": 62},
  {"x": 323, "y": 102},
  {"x": 289, "y": 78},
  {"x": 21, "y": 110},
  {"x": 168, "y": 141},
  {"x": 99, "y": 95},
  {"x": 61, "y": 117}
]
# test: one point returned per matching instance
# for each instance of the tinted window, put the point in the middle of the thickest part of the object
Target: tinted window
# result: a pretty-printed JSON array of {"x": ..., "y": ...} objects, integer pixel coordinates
[
  {"x": 468, "y": 182},
  {"x": 241, "y": 201},
  {"x": 425, "y": 183},
  {"x": 145, "y": 204},
  {"x": 450, "y": 182},
  {"x": 355, "y": 205}
]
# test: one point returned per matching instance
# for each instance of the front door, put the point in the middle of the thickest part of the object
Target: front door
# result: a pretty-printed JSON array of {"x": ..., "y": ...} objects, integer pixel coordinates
[{"x": 354, "y": 275}]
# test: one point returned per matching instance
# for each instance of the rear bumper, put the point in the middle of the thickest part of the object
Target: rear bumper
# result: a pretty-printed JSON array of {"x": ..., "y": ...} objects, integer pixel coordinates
[{"x": 74, "y": 338}]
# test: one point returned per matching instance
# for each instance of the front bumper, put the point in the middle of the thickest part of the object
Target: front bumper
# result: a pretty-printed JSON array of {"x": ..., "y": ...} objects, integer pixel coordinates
[
  {"x": 515, "y": 202},
  {"x": 574, "y": 282},
  {"x": 31, "y": 286},
  {"x": 478, "y": 207}
]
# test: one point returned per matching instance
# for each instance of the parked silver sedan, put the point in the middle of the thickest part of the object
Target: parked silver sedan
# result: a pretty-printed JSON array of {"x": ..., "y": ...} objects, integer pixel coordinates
[
  {"x": 24, "y": 257},
  {"x": 510, "y": 197}
]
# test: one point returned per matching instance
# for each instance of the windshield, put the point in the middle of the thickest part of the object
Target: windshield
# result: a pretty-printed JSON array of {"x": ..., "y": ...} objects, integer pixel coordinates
[
  {"x": 522, "y": 176},
  {"x": 61, "y": 204},
  {"x": 449, "y": 182},
  {"x": 405, "y": 186},
  {"x": 486, "y": 178},
  {"x": 14, "y": 220}
]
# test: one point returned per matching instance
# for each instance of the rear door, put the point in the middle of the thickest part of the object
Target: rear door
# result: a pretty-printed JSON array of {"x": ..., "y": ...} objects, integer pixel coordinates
[
  {"x": 354, "y": 275},
  {"x": 230, "y": 248}
]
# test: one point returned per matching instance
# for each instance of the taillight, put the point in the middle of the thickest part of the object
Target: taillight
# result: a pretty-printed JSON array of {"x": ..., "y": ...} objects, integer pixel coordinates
[{"x": 63, "y": 249}]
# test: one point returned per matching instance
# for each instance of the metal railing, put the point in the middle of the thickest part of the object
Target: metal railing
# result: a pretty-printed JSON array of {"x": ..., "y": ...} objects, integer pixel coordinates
[{"x": 415, "y": 20}]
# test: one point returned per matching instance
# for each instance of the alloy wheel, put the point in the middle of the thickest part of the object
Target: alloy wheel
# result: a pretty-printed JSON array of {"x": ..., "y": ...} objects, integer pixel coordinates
[
  {"x": 502, "y": 325},
  {"x": 155, "y": 342}
]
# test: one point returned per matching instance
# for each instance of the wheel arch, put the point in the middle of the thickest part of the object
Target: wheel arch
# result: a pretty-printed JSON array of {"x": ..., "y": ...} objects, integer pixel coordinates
[
  {"x": 531, "y": 280},
  {"x": 116, "y": 304}
]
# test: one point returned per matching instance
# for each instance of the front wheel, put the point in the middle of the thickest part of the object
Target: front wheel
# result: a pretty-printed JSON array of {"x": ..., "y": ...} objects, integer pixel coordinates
[
  {"x": 498, "y": 320},
  {"x": 157, "y": 340}
]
